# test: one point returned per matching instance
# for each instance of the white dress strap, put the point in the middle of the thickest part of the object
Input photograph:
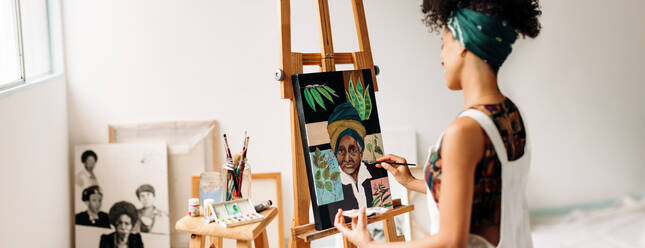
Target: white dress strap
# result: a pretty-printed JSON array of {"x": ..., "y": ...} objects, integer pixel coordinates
[{"x": 491, "y": 130}]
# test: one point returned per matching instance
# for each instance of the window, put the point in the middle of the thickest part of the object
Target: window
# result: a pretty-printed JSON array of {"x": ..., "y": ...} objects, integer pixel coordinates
[{"x": 25, "y": 47}]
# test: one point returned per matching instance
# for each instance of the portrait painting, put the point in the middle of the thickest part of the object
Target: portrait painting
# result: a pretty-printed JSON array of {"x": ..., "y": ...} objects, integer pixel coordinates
[{"x": 341, "y": 135}]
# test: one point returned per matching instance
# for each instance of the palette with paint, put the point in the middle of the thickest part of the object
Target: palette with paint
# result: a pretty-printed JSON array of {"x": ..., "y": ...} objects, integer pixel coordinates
[{"x": 232, "y": 213}]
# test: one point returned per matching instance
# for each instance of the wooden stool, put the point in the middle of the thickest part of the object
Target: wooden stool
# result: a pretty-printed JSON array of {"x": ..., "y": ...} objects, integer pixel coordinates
[{"x": 244, "y": 234}]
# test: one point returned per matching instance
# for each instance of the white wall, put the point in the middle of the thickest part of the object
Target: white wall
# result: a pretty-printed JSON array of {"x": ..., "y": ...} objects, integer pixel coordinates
[
  {"x": 580, "y": 84},
  {"x": 34, "y": 171}
]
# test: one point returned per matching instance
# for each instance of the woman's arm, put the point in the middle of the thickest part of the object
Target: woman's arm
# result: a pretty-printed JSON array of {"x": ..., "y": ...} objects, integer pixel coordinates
[
  {"x": 462, "y": 149},
  {"x": 401, "y": 173}
]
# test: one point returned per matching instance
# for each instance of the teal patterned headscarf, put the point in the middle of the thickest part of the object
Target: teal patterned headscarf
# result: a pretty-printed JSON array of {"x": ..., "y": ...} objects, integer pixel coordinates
[{"x": 485, "y": 36}]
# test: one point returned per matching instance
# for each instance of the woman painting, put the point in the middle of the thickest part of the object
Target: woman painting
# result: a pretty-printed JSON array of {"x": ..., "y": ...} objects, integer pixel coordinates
[{"x": 480, "y": 162}]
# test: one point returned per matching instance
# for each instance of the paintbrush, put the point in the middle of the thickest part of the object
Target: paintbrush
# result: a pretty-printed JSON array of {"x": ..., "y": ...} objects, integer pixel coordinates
[{"x": 377, "y": 162}]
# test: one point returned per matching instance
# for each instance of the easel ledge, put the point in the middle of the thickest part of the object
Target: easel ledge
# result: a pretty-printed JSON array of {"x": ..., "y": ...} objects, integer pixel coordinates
[{"x": 308, "y": 232}]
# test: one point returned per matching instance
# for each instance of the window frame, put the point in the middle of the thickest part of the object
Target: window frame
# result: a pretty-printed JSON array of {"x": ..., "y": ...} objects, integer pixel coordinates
[{"x": 54, "y": 35}]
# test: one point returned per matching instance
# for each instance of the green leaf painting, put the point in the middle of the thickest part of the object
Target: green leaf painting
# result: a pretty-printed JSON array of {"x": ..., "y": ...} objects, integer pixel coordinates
[
  {"x": 359, "y": 97},
  {"x": 309, "y": 99},
  {"x": 374, "y": 146},
  {"x": 316, "y": 94},
  {"x": 381, "y": 196},
  {"x": 326, "y": 177}
]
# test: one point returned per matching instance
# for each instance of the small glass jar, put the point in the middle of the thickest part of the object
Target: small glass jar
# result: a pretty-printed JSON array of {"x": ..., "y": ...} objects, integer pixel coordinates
[
  {"x": 193, "y": 207},
  {"x": 246, "y": 181},
  {"x": 211, "y": 186},
  {"x": 245, "y": 190}
]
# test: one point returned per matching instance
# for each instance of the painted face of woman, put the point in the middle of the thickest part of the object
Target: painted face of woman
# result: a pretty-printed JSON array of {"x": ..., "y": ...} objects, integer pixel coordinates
[
  {"x": 349, "y": 154},
  {"x": 452, "y": 59}
]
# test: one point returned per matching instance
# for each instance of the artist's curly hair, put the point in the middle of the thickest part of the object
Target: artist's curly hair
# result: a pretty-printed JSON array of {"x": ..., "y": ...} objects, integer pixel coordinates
[{"x": 522, "y": 14}]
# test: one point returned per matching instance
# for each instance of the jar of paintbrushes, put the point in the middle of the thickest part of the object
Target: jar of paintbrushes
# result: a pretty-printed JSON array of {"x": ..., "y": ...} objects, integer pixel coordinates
[{"x": 238, "y": 172}]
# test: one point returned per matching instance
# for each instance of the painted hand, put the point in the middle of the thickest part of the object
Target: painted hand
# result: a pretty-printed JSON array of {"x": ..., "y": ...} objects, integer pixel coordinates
[
  {"x": 401, "y": 173},
  {"x": 358, "y": 233}
]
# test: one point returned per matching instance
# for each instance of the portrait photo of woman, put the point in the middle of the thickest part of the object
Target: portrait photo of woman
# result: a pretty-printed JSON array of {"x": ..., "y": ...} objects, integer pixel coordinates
[
  {"x": 123, "y": 216},
  {"x": 93, "y": 216}
]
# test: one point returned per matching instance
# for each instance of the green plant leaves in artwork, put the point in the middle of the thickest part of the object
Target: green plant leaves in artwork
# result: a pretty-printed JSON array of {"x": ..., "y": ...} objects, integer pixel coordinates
[
  {"x": 368, "y": 103},
  {"x": 317, "y": 176},
  {"x": 360, "y": 98},
  {"x": 309, "y": 98},
  {"x": 316, "y": 95},
  {"x": 328, "y": 186},
  {"x": 330, "y": 90},
  {"x": 380, "y": 196},
  {"x": 318, "y": 98},
  {"x": 320, "y": 185},
  {"x": 334, "y": 175},
  {"x": 326, "y": 173},
  {"x": 324, "y": 93}
]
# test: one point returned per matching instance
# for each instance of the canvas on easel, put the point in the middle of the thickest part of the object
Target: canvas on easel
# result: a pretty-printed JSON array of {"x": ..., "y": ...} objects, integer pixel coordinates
[{"x": 340, "y": 126}]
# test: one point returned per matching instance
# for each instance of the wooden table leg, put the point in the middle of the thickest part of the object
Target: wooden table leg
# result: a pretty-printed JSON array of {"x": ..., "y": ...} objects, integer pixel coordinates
[
  {"x": 261, "y": 241},
  {"x": 244, "y": 244},
  {"x": 215, "y": 242},
  {"x": 197, "y": 241},
  {"x": 389, "y": 229}
]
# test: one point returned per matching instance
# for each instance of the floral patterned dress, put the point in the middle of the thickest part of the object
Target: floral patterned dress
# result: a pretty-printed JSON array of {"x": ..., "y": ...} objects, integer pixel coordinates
[{"x": 486, "y": 208}]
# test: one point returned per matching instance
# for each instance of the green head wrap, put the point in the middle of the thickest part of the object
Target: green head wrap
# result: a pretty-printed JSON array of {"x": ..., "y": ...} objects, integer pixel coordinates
[
  {"x": 485, "y": 36},
  {"x": 345, "y": 121}
]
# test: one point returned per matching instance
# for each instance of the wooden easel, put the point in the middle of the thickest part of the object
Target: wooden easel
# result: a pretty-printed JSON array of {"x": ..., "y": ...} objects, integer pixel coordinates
[{"x": 302, "y": 232}]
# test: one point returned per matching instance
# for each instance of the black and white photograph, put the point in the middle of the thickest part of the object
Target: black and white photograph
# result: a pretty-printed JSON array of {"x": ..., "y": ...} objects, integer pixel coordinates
[{"x": 121, "y": 195}]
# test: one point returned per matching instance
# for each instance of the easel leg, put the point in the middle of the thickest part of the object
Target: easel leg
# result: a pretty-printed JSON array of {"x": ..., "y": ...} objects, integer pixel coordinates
[
  {"x": 261, "y": 241},
  {"x": 215, "y": 242},
  {"x": 389, "y": 229},
  {"x": 197, "y": 241},
  {"x": 244, "y": 244}
]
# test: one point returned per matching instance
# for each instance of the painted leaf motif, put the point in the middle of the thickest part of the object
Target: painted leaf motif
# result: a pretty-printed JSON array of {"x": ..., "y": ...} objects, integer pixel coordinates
[
  {"x": 323, "y": 164},
  {"x": 324, "y": 93},
  {"x": 378, "y": 150},
  {"x": 319, "y": 185},
  {"x": 330, "y": 90},
  {"x": 359, "y": 87},
  {"x": 375, "y": 202},
  {"x": 318, "y": 98},
  {"x": 317, "y": 176},
  {"x": 325, "y": 173},
  {"x": 360, "y": 100},
  {"x": 386, "y": 196},
  {"x": 369, "y": 147},
  {"x": 356, "y": 102},
  {"x": 352, "y": 95},
  {"x": 328, "y": 187},
  {"x": 368, "y": 103},
  {"x": 334, "y": 175},
  {"x": 309, "y": 99}
]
